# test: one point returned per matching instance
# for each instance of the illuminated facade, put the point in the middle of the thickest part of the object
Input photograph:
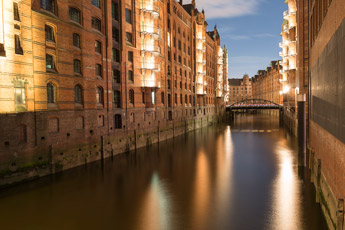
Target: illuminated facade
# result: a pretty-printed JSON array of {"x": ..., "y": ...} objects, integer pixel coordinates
[
  {"x": 239, "y": 89},
  {"x": 76, "y": 71},
  {"x": 267, "y": 84},
  {"x": 288, "y": 55}
]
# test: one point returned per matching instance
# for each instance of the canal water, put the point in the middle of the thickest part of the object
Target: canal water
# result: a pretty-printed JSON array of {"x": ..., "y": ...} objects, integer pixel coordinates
[{"x": 236, "y": 176}]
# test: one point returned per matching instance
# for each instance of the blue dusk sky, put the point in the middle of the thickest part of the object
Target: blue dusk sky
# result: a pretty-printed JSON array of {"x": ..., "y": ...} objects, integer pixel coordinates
[{"x": 250, "y": 29}]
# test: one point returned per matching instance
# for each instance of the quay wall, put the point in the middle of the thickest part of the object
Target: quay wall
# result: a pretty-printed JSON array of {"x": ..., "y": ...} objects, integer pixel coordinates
[{"x": 52, "y": 152}]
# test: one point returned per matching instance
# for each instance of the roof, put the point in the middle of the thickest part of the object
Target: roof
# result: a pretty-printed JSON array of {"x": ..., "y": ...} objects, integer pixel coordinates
[
  {"x": 188, "y": 8},
  {"x": 235, "y": 82}
]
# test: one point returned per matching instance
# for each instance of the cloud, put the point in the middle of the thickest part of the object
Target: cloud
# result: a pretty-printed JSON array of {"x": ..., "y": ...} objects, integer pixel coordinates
[{"x": 228, "y": 8}]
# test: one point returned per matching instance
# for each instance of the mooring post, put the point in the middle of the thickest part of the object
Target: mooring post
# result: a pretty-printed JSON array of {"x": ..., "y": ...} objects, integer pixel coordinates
[
  {"x": 318, "y": 181},
  {"x": 302, "y": 131},
  {"x": 102, "y": 147},
  {"x": 158, "y": 133},
  {"x": 52, "y": 159},
  {"x": 135, "y": 138},
  {"x": 340, "y": 214}
]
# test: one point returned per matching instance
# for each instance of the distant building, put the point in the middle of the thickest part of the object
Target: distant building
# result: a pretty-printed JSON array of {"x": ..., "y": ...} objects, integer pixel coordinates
[
  {"x": 239, "y": 89},
  {"x": 266, "y": 84}
]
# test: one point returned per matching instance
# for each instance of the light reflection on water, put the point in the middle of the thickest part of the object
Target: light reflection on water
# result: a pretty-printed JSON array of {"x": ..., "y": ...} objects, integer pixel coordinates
[
  {"x": 286, "y": 195},
  {"x": 214, "y": 178}
]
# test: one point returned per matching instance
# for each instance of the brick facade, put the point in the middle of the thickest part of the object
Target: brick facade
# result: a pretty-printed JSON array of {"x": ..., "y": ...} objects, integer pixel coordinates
[{"x": 81, "y": 70}]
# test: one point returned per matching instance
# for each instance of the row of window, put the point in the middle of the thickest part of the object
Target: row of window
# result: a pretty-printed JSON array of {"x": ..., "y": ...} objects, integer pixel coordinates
[
  {"x": 74, "y": 13},
  {"x": 78, "y": 96}
]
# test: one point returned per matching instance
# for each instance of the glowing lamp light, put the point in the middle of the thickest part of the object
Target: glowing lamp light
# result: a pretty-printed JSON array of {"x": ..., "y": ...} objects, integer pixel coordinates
[{"x": 286, "y": 89}]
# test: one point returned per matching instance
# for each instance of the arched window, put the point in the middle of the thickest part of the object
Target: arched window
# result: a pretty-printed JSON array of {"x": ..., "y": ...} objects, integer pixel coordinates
[
  {"x": 99, "y": 95},
  {"x": 78, "y": 94},
  {"x": 96, "y": 23},
  {"x": 77, "y": 66},
  {"x": 96, "y": 3},
  {"x": 48, "y": 5},
  {"x": 74, "y": 15},
  {"x": 98, "y": 47},
  {"x": 50, "y": 93},
  {"x": 99, "y": 70},
  {"x": 50, "y": 63},
  {"x": 76, "y": 40},
  {"x": 162, "y": 98},
  {"x": 117, "y": 99},
  {"x": 49, "y": 31},
  {"x": 131, "y": 96}
]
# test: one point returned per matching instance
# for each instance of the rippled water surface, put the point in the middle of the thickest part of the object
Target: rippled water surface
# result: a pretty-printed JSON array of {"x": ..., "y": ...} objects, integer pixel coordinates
[{"x": 243, "y": 176}]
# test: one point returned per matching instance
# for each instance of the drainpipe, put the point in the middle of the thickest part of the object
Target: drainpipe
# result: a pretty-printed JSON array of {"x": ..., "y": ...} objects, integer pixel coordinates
[{"x": 106, "y": 59}]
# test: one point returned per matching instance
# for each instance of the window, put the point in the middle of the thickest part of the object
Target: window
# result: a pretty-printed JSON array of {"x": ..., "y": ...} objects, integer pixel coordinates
[
  {"x": 162, "y": 98},
  {"x": 78, "y": 94},
  {"x": 74, "y": 15},
  {"x": 185, "y": 99},
  {"x": 143, "y": 97},
  {"x": 115, "y": 10},
  {"x": 117, "y": 99},
  {"x": 175, "y": 99},
  {"x": 129, "y": 37},
  {"x": 50, "y": 64},
  {"x": 96, "y": 3},
  {"x": 48, "y": 5},
  {"x": 169, "y": 84},
  {"x": 130, "y": 56},
  {"x": 130, "y": 75},
  {"x": 96, "y": 24},
  {"x": 116, "y": 76},
  {"x": 116, "y": 55},
  {"x": 99, "y": 70},
  {"x": 16, "y": 12},
  {"x": 99, "y": 95},
  {"x": 98, "y": 47},
  {"x": 128, "y": 16},
  {"x": 181, "y": 99},
  {"x": 50, "y": 93},
  {"x": 118, "y": 121},
  {"x": 179, "y": 45},
  {"x": 76, "y": 40},
  {"x": 77, "y": 66},
  {"x": 116, "y": 34},
  {"x": 180, "y": 84},
  {"x": 19, "y": 95},
  {"x": 17, "y": 45},
  {"x": 131, "y": 96},
  {"x": 153, "y": 97}
]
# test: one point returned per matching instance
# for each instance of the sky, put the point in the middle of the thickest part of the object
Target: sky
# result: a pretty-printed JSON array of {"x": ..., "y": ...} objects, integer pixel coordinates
[{"x": 250, "y": 29}]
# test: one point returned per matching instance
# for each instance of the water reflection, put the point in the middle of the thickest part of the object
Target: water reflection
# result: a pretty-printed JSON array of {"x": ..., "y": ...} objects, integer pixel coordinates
[
  {"x": 155, "y": 209},
  {"x": 213, "y": 178},
  {"x": 286, "y": 203}
]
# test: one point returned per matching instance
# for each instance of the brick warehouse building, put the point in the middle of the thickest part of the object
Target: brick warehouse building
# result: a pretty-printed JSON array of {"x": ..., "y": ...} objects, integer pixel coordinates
[
  {"x": 327, "y": 105},
  {"x": 267, "y": 84},
  {"x": 239, "y": 89},
  {"x": 81, "y": 80}
]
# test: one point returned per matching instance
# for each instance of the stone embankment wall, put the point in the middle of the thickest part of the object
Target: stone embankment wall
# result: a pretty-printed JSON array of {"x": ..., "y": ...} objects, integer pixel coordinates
[{"x": 19, "y": 164}]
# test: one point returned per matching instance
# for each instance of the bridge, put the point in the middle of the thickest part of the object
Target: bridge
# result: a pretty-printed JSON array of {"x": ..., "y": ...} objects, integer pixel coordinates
[{"x": 253, "y": 104}]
